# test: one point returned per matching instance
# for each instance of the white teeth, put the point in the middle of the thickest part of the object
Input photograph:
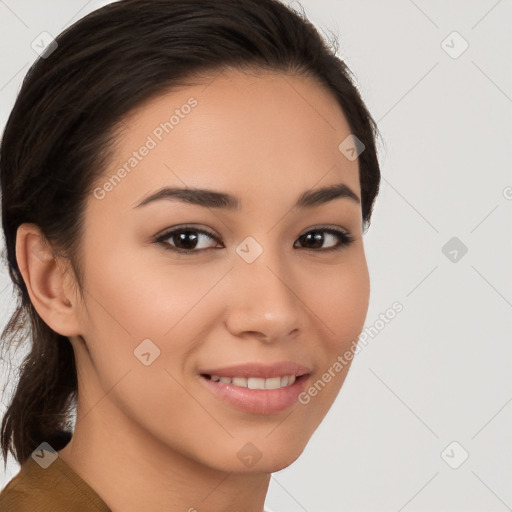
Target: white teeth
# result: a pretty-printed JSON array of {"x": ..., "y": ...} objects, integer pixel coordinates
[
  {"x": 272, "y": 383},
  {"x": 257, "y": 382},
  {"x": 240, "y": 381},
  {"x": 254, "y": 383}
]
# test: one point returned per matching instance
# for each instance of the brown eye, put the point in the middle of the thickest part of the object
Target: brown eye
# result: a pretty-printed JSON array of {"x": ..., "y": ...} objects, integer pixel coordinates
[
  {"x": 186, "y": 239},
  {"x": 317, "y": 238}
]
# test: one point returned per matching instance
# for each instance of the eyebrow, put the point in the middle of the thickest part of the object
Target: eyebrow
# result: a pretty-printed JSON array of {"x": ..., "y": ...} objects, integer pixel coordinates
[{"x": 213, "y": 199}]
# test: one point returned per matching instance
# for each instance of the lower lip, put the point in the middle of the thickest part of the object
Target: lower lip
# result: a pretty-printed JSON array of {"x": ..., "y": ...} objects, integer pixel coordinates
[{"x": 259, "y": 401}]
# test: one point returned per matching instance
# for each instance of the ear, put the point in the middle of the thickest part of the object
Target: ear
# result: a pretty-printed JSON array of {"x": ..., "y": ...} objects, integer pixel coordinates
[{"x": 48, "y": 281}]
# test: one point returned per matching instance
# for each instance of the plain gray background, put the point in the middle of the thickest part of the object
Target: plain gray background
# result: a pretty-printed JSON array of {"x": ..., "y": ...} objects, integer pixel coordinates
[{"x": 433, "y": 386}]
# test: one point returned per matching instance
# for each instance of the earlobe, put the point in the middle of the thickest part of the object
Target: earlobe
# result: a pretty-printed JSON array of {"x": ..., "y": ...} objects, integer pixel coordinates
[{"x": 45, "y": 279}]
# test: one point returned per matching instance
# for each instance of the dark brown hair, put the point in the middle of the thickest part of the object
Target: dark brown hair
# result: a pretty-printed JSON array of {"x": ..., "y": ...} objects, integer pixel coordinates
[{"x": 61, "y": 131}]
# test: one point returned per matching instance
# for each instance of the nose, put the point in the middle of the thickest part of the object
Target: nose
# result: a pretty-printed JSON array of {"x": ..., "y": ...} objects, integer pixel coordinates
[{"x": 263, "y": 302}]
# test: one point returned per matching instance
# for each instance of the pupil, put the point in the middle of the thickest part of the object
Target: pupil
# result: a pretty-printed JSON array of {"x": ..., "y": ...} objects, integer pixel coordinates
[
  {"x": 316, "y": 236},
  {"x": 183, "y": 237}
]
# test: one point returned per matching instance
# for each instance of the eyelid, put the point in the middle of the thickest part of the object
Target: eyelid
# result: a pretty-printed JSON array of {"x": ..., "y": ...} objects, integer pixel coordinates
[{"x": 327, "y": 227}]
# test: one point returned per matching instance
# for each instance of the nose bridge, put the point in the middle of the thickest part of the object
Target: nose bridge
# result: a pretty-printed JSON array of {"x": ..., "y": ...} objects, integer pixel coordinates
[
  {"x": 263, "y": 299},
  {"x": 260, "y": 263}
]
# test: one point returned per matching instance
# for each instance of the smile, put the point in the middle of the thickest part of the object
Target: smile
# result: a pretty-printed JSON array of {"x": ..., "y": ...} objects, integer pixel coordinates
[{"x": 256, "y": 387}]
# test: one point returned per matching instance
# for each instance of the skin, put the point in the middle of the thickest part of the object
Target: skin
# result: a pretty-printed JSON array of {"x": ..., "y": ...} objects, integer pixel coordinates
[{"x": 153, "y": 437}]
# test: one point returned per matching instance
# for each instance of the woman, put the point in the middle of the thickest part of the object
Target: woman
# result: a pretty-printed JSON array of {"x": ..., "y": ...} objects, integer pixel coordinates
[{"x": 185, "y": 189}]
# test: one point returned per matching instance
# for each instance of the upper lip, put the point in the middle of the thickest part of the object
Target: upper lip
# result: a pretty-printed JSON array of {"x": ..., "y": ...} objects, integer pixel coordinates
[{"x": 261, "y": 370}]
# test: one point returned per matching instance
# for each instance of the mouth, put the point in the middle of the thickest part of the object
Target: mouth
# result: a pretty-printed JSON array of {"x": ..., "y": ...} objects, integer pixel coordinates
[{"x": 257, "y": 388}]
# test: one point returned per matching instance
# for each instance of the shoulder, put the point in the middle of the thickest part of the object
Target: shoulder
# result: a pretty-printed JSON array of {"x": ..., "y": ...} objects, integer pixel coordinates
[
  {"x": 21, "y": 492},
  {"x": 48, "y": 489}
]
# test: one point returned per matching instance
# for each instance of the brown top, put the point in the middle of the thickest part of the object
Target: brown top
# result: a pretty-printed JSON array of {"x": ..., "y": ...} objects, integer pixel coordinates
[{"x": 56, "y": 488}]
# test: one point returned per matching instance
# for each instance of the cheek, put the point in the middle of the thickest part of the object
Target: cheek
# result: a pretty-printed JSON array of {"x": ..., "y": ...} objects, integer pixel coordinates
[
  {"x": 339, "y": 296},
  {"x": 341, "y": 303},
  {"x": 132, "y": 300},
  {"x": 146, "y": 297}
]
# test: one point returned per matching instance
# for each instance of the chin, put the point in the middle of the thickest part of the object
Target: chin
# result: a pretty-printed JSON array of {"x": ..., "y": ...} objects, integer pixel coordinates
[
  {"x": 257, "y": 456},
  {"x": 272, "y": 459},
  {"x": 281, "y": 462}
]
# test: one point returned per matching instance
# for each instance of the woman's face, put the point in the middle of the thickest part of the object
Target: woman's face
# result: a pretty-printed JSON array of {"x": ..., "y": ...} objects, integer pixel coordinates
[{"x": 264, "y": 284}]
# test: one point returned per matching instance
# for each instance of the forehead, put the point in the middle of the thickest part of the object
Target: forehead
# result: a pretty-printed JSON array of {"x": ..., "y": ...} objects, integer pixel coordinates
[{"x": 251, "y": 134}]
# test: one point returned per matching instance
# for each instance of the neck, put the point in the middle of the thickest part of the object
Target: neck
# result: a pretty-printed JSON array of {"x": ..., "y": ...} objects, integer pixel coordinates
[{"x": 132, "y": 471}]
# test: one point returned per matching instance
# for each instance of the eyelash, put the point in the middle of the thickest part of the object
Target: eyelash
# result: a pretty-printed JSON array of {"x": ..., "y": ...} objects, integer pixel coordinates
[{"x": 344, "y": 237}]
